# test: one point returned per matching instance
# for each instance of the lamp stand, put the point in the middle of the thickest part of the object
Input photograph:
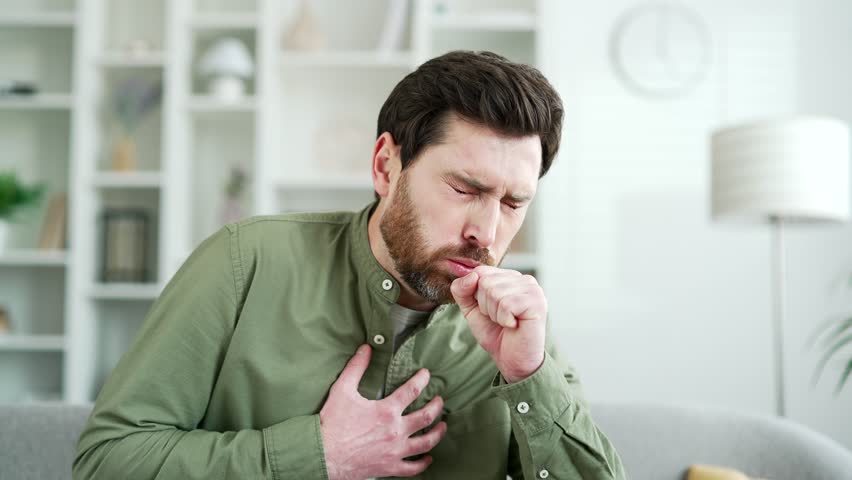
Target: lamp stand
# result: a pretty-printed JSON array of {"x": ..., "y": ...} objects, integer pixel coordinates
[{"x": 778, "y": 273}]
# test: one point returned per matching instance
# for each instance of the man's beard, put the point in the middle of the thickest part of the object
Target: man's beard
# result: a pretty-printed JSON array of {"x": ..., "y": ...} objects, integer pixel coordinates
[{"x": 402, "y": 233}]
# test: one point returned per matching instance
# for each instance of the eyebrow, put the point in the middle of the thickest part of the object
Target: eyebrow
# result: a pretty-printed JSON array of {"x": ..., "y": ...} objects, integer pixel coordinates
[{"x": 477, "y": 185}]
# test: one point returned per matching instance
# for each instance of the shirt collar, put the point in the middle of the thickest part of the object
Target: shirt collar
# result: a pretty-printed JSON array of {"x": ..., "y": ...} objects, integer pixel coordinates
[{"x": 379, "y": 281}]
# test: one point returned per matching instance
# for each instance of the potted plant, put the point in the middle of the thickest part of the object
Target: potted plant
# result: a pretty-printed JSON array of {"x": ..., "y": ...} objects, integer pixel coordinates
[
  {"x": 132, "y": 101},
  {"x": 15, "y": 198}
]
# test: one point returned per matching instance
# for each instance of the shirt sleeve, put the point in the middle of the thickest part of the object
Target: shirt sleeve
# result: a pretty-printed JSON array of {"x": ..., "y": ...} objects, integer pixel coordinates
[
  {"x": 554, "y": 435},
  {"x": 144, "y": 422}
]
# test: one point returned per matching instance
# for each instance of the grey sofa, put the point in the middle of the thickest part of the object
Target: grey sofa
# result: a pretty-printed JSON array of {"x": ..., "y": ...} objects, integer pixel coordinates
[{"x": 655, "y": 442}]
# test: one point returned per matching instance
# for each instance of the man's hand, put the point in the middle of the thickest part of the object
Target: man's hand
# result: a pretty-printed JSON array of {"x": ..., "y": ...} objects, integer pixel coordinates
[
  {"x": 370, "y": 438},
  {"x": 506, "y": 312}
]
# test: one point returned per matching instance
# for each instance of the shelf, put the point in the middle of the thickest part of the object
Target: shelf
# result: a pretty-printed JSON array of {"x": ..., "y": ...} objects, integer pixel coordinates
[
  {"x": 224, "y": 21},
  {"x": 31, "y": 343},
  {"x": 38, "y": 19},
  {"x": 201, "y": 103},
  {"x": 132, "y": 60},
  {"x": 34, "y": 258},
  {"x": 325, "y": 183},
  {"x": 520, "y": 261},
  {"x": 511, "y": 21},
  {"x": 137, "y": 179},
  {"x": 125, "y": 291},
  {"x": 40, "y": 101},
  {"x": 351, "y": 58}
]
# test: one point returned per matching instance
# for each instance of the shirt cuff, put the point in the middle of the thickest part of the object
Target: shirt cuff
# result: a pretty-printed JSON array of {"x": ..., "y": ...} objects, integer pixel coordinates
[
  {"x": 294, "y": 448},
  {"x": 538, "y": 400}
]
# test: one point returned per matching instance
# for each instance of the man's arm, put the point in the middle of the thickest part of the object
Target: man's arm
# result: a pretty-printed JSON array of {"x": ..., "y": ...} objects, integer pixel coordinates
[
  {"x": 144, "y": 422},
  {"x": 556, "y": 432},
  {"x": 553, "y": 431}
]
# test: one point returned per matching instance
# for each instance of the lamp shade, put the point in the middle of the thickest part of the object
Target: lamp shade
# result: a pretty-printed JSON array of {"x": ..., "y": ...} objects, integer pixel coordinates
[
  {"x": 795, "y": 169},
  {"x": 227, "y": 57}
]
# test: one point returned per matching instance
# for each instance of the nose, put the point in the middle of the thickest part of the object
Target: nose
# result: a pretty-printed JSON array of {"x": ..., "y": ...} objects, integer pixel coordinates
[{"x": 481, "y": 227}]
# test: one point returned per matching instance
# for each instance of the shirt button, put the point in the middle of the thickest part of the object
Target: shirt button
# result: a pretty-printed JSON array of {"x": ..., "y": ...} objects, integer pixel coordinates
[
  {"x": 387, "y": 284},
  {"x": 379, "y": 339},
  {"x": 543, "y": 473},
  {"x": 524, "y": 407}
]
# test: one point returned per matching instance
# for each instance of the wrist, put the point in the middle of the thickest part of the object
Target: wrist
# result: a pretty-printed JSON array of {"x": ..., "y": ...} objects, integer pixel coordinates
[{"x": 516, "y": 375}]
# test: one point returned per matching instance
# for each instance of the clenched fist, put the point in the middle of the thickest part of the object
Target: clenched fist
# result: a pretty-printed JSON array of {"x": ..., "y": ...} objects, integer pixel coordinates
[
  {"x": 506, "y": 312},
  {"x": 370, "y": 438}
]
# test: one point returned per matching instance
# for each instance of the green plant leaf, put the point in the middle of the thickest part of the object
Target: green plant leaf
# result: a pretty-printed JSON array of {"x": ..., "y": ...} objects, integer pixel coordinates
[
  {"x": 820, "y": 330},
  {"x": 846, "y": 372},
  {"x": 839, "y": 329},
  {"x": 15, "y": 197},
  {"x": 828, "y": 354}
]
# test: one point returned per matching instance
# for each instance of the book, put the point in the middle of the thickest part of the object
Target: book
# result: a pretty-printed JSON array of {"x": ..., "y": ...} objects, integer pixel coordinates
[{"x": 54, "y": 227}]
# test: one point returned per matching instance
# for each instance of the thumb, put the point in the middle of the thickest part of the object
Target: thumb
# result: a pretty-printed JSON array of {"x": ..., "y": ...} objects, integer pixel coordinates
[
  {"x": 351, "y": 375},
  {"x": 464, "y": 289}
]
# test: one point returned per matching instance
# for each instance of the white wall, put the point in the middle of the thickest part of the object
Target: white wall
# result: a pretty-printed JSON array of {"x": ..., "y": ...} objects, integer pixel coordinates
[{"x": 650, "y": 299}]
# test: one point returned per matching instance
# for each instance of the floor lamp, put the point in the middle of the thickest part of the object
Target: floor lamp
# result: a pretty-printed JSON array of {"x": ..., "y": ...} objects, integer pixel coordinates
[{"x": 781, "y": 171}]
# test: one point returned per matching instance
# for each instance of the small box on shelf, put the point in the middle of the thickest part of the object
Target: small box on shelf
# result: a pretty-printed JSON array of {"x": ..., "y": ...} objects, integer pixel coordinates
[{"x": 125, "y": 245}]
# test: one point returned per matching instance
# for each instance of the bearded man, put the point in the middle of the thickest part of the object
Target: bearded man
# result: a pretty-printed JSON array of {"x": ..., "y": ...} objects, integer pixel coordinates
[{"x": 382, "y": 343}]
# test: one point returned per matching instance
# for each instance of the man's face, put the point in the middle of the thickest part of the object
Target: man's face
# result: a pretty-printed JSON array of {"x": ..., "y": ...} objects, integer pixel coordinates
[{"x": 459, "y": 205}]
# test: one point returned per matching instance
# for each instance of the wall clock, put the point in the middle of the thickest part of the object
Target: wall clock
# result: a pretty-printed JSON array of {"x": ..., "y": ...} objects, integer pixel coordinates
[{"x": 660, "y": 50}]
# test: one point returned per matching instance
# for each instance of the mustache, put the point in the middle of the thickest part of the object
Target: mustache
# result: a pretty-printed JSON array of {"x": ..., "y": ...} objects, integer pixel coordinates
[{"x": 470, "y": 252}]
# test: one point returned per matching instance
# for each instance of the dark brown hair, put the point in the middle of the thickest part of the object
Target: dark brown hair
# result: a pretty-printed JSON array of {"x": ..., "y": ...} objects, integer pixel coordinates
[{"x": 512, "y": 99}]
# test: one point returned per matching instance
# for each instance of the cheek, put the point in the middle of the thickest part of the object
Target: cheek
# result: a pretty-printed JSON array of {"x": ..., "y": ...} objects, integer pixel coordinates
[{"x": 509, "y": 229}]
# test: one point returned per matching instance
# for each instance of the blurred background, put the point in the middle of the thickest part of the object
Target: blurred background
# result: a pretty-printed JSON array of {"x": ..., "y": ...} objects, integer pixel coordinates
[{"x": 130, "y": 131}]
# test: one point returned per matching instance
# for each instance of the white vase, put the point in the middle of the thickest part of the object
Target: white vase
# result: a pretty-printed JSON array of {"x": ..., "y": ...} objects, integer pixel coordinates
[{"x": 4, "y": 234}]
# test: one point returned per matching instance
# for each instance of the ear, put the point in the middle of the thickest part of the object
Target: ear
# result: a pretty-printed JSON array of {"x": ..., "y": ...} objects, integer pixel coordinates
[{"x": 386, "y": 163}]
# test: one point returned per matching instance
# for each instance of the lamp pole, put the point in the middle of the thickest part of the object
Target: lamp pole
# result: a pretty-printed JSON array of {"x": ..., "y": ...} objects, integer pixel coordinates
[{"x": 778, "y": 273}]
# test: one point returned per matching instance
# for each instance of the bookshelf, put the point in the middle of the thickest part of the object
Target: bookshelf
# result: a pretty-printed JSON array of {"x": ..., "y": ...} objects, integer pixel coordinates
[{"x": 69, "y": 327}]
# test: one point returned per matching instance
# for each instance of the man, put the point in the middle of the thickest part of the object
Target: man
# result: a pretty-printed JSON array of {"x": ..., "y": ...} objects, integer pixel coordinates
[{"x": 244, "y": 367}]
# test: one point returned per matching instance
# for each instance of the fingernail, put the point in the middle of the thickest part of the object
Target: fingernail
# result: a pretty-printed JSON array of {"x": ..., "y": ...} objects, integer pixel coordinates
[{"x": 362, "y": 349}]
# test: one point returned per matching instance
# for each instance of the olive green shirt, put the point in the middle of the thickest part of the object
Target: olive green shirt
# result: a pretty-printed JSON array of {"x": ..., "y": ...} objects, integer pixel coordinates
[{"x": 234, "y": 361}]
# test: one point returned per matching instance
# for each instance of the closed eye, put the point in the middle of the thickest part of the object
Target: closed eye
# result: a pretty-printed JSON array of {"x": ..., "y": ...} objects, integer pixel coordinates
[{"x": 461, "y": 192}]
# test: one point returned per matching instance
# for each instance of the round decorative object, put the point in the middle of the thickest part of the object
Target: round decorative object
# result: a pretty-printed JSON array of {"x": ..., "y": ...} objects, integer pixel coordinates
[{"x": 660, "y": 50}]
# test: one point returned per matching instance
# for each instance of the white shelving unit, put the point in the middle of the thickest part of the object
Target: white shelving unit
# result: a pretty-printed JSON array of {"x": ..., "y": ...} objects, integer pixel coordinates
[
  {"x": 38, "y": 19},
  {"x": 32, "y": 343},
  {"x": 295, "y": 134},
  {"x": 33, "y": 258},
  {"x": 43, "y": 101},
  {"x": 120, "y": 59}
]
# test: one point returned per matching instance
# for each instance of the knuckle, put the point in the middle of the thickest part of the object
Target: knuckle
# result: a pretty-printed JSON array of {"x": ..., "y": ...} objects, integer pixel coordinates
[
  {"x": 393, "y": 434},
  {"x": 386, "y": 415},
  {"x": 431, "y": 440},
  {"x": 413, "y": 391},
  {"x": 425, "y": 418}
]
